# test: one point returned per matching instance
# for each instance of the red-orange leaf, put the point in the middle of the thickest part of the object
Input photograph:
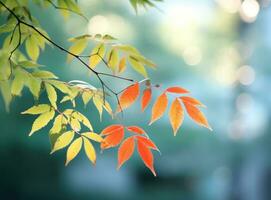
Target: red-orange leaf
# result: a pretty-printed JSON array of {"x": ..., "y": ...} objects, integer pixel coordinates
[
  {"x": 177, "y": 90},
  {"x": 126, "y": 151},
  {"x": 114, "y": 135},
  {"x": 176, "y": 115},
  {"x": 111, "y": 129},
  {"x": 135, "y": 129},
  {"x": 192, "y": 101},
  {"x": 146, "y": 98},
  {"x": 196, "y": 115},
  {"x": 128, "y": 97},
  {"x": 146, "y": 155},
  {"x": 159, "y": 107},
  {"x": 147, "y": 142}
]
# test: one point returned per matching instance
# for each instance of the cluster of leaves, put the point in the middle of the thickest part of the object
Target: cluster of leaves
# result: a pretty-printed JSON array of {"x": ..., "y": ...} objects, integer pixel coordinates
[
  {"x": 143, "y": 3},
  {"x": 24, "y": 40}
]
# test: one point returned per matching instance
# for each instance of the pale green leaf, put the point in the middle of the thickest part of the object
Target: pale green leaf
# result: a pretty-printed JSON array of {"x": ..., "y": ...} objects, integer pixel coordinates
[
  {"x": 34, "y": 86},
  {"x": 52, "y": 95},
  {"x": 18, "y": 83},
  {"x": 39, "y": 109},
  {"x": 138, "y": 67},
  {"x": 77, "y": 48},
  {"x": 44, "y": 74},
  {"x": 32, "y": 47}
]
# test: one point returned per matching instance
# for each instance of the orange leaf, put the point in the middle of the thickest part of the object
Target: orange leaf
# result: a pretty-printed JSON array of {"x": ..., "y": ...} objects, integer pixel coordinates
[
  {"x": 128, "y": 97},
  {"x": 196, "y": 115},
  {"x": 125, "y": 151},
  {"x": 176, "y": 115},
  {"x": 146, "y": 155},
  {"x": 114, "y": 135},
  {"x": 135, "y": 129},
  {"x": 111, "y": 129},
  {"x": 146, "y": 98},
  {"x": 159, "y": 108},
  {"x": 192, "y": 101},
  {"x": 177, "y": 90},
  {"x": 147, "y": 142}
]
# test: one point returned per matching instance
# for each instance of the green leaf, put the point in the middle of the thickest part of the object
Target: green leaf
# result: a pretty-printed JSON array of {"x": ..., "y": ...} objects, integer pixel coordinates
[
  {"x": 52, "y": 95},
  {"x": 41, "y": 121},
  {"x": 90, "y": 151},
  {"x": 32, "y": 47},
  {"x": 77, "y": 48},
  {"x": 63, "y": 140},
  {"x": 39, "y": 109},
  {"x": 44, "y": 74},
  {"x": 29, "y": 64},
  {"x": 93, "y": 136},
  {"x": 138, "y": 67},
  {"x": 73, "y": 150},
  {"x": 94, "y": 60}
]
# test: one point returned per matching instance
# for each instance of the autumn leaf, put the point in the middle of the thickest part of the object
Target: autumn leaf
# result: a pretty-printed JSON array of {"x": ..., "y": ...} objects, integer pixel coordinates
[
  {"x": 122, "y": 65},
  {"x": 196, "y": 115},
  {"x": 146, "y": 155},
  {"x": 176, "y": 115},
  {"x": 177, "y": 90},
  {"x": 148, "y": 142},
  {"x": 89, "y": 150},
  {"x": 114, "y": 135},
  {"x": 73, "y": 150},
  {"x": 192, "y": 101},
  {"x": 159, "y": 108},
  {"x": 128, "y": 97},
  {"x": 135, "y": 129},
  {"x": 125, "y": 151},
  {"x": 147, "y": 94}
]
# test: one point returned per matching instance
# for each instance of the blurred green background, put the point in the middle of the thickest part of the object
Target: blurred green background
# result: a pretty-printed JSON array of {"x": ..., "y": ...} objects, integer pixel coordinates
[{"x": 218, "y": 49}]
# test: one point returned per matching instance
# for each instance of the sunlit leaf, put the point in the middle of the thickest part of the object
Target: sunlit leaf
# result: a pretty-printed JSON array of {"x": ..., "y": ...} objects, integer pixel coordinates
[
  {"x": 159, "y": 107},
  {"x": 93, "y": 136},
  {"x": 192, "y": 101},
  {"x": 52, "y": 95},
  {"x": 97, "y": 55},
  {"x": 63, "y": 141},
  {"x": 42, "y": 121},
  {"x": 176, "y": 115},
  {"x": 77, "y": 48},
  {"x": 125, "y": 151},
  {"x": 137, "y": 66},
  {"x": 73, "y": 150},
  {"x": 39, "y": 109},
  {"x": 135, "y": 129},
  {"x": 177, "y": 90},
  {"x": 90, "y": 151},
  {"x": 147, "y": 142},
  {"x": 147, "y": 94}
]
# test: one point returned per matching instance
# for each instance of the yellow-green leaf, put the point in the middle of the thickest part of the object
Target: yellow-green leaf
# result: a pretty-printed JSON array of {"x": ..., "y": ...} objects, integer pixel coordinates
[
  {"x": 96, "y": 55},
  {"x": 63, "y": 140},
  {"x": 42, "y": 121},
  {"x": 137, "y": 66},
  {"x": 35, "y": 110},
  {"x": 98, "y": 102},
  {"x": 90, "y": 151},
  {"x": 34, "y": 86},
  {"x": 86, "y": 96},
  {"x": 77, "y": 48},
  {"x": 59, "y": 121},
  {"x": 60, "y": 86},
  {"x": 44, "y": 74},
  {"x": 18, "y": 83},
  {"x": 32, "y": 48},
  {"x": 52, "y": 95},
  {"x": 73, "y": 150},
  {"x": 93, "y": 136},
  {"x": 113, "y": 59}
]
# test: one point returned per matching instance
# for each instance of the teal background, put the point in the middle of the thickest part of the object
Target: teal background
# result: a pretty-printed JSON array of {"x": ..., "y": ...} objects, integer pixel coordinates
[{"x": 232, "y": 162}]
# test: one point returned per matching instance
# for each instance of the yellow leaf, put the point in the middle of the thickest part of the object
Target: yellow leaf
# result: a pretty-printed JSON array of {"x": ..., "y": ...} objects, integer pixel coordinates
[
  {"x": 97, "y": 55},
  {"x": 34, "y": 86},
  {"x": 42, "y": 121},
  {"x": 60, "y": 86},
  {"x": 98, "y": 102},
  {"x": 44, "y": 74},
  {"x": 93, "y": 136},
  {"x": 137, "y": 66},
  {"x": 52, "y": 96},
  {"x": 59, "y": 121},
  {"x": 122, "y": 65},
  {"x": 35, "y": 110},
  {"x": 75, "y": 124},
  {"x": 18, "y": 83},
  {"x": 113, "y": 59},
  {"x": 90, "y": 151},
  {"x": 80, "y": 117},
  {"x": 77, "y": 48},
  {"x": 73, "y": 150},
  {"x": 63, "y": 140},
  {"x": 86, "y": 96}
]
